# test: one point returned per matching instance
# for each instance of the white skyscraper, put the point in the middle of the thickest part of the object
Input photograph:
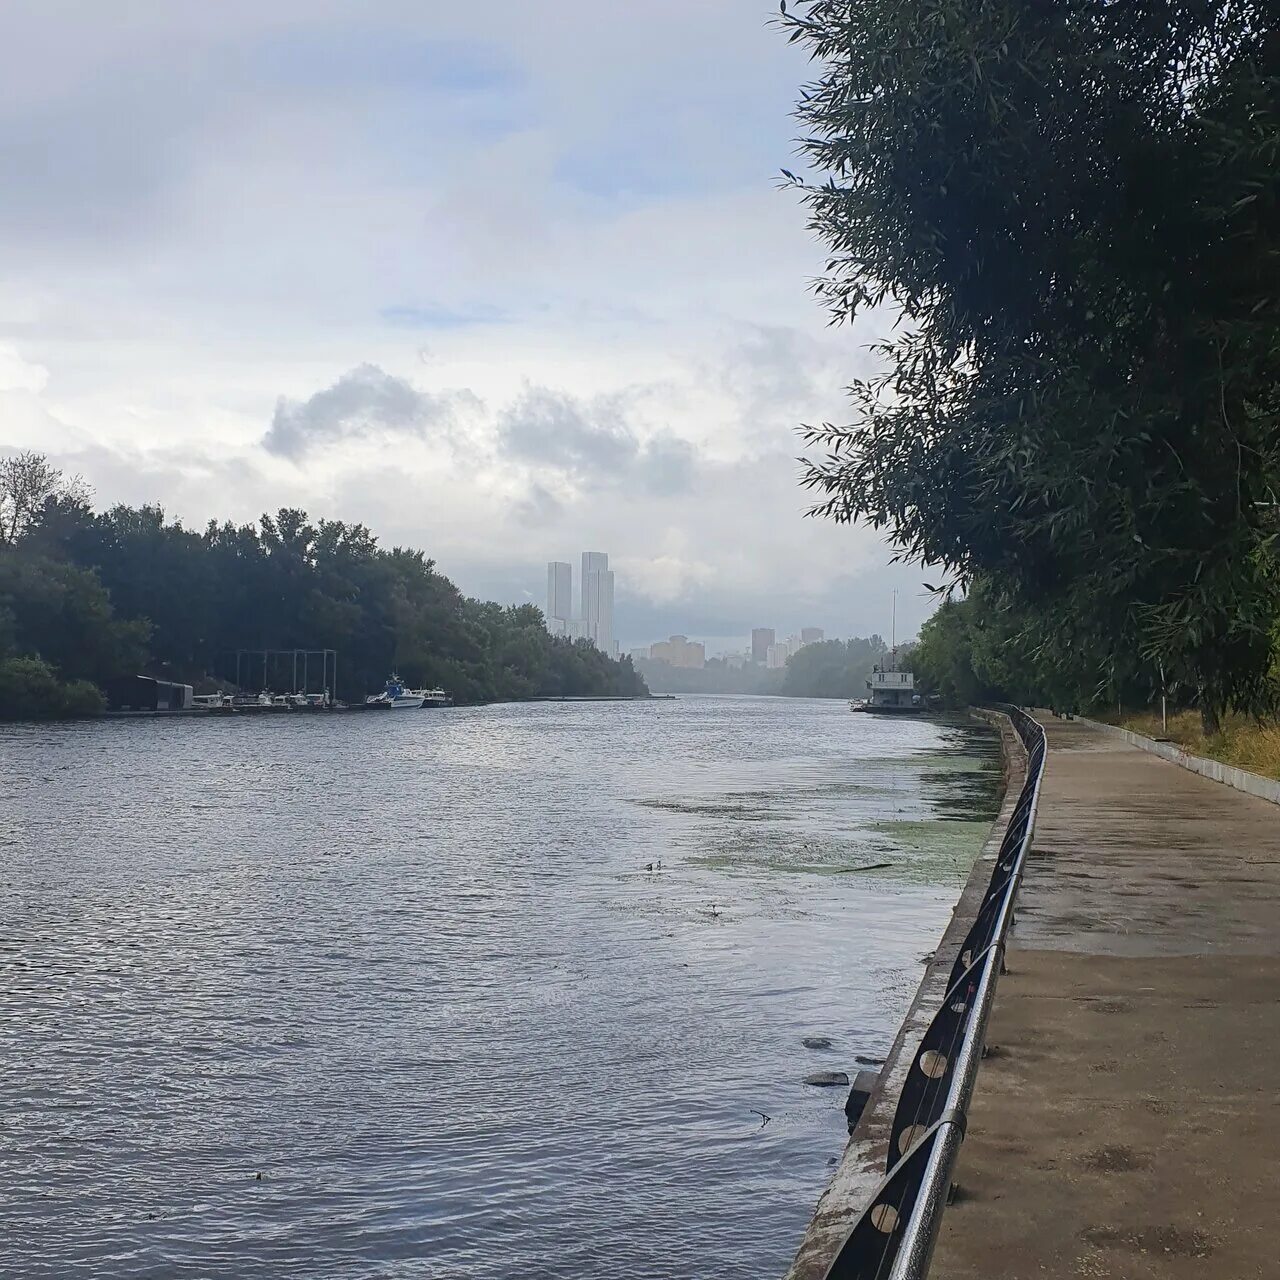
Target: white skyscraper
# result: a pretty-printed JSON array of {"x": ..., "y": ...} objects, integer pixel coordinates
[
  {"x": 597, "y": 599},
  {"x": 559, "y": 595}
]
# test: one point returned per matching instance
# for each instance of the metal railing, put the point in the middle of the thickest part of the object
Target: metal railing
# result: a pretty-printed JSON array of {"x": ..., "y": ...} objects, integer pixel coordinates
[{"x": 893, "y": 1238}]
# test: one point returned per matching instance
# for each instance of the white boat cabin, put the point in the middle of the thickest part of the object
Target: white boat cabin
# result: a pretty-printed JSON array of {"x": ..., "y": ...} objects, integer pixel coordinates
[{"x": 893, "y": 689}]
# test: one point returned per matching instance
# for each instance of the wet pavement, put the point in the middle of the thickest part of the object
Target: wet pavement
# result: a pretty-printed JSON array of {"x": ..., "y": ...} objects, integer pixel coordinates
[{"x": 1127, "y": 1122}]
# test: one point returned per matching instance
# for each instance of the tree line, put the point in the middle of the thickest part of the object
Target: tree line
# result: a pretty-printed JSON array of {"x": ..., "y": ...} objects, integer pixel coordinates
[
  {"x": 86, "y": 596},
  {"x": 828, "y": 669},
  {"x": 1073, "y": 209}
]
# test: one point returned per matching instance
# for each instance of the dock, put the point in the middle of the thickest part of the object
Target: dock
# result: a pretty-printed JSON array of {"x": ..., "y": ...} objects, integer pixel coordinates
[{"x": 1126, "y": 1121}]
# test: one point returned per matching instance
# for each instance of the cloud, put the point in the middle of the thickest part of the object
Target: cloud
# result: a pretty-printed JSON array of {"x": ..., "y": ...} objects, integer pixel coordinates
[
  {"x": 303, "y": 190},
  {"x": 540, "y": 508},
  {"x": 592, "y": 442},
  {"x": 666, "y": 465},
  {"x": 552, "y": 428},
  {"x": 365, "y": 402},
  {"x": 441, "y": 317},
  {"x": 17, "y": 374}
]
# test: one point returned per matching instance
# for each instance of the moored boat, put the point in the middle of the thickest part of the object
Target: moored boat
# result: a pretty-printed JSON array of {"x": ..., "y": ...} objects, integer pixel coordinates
[
  {"x": 395, "y": 697},
  {"x": 251, "y": 701},
  {"x": 892, "y": 693}
]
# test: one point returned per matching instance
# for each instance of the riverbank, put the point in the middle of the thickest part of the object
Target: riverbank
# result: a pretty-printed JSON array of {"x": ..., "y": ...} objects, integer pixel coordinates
[
  {"x": 862, "y": 1164},
  {"x": 1138, "y": 1019},
  {"x": 253, "y": 710}
]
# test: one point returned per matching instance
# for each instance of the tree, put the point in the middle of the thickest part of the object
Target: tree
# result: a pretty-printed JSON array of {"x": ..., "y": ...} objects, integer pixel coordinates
[
  {"x": 62, "y": 614},
  {"x": 832, "y": 668},
  {"x": 31, "y": 690},
  {"x": 1072, "y": 207},
  {"x": 28, "y": 483}
]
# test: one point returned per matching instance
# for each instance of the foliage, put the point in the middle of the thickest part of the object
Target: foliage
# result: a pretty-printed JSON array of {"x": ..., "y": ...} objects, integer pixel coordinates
[
  {"x": 830, "y": 669},
  {"x": 1241, "y": 741},
  {"x": 833, "y": 668},
  {"x": 943, "y": 657},
  {"x": 1072, "y": 206},
  {"x": 125, "y": 591},
  {"x": 29, "y": 483},
  {"x": 31, "y": 690},
  {"x": 62, "y": 613}
]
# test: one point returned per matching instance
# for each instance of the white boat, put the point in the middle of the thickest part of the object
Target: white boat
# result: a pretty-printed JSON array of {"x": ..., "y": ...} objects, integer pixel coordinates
[
  {"x": 890, "y": 692},
  {"x": 212, "y": 702},
  {"x": 242, "y": 701},
  {"x": 893, "y": 693},
  {"x": 395, "y": 697},
  {"x": 434, "y": 698}
]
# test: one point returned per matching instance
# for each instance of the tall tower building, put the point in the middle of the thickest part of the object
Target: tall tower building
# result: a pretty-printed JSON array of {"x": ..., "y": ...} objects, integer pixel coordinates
[
  {"x": 761, "y": 639},
  {"x": 597, "y": 599},
  {"x": 559, "y": 594},
  {"x": 811, "y": 635}
]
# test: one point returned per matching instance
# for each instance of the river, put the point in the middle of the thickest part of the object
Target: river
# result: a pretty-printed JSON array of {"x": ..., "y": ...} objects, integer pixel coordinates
[{"x": 489, "y": 992}]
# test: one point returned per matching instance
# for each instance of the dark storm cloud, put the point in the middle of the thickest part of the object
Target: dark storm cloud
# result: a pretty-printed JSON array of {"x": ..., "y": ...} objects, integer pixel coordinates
[
  {"x": 365, "y": 402},
  {"x": 592, "y": 441}
]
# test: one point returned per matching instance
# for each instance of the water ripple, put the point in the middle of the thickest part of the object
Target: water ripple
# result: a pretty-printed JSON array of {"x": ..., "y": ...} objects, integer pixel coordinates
[{"x": 409, "y": 996}]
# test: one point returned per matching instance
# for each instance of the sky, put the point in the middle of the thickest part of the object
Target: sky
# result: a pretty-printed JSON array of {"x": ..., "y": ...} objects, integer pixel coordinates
[{"x": 504, "y": 282}]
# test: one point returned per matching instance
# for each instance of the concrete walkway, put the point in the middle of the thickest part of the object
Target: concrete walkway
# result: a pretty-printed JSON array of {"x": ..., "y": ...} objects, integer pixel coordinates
[{"x": 1127, "y": 1124}]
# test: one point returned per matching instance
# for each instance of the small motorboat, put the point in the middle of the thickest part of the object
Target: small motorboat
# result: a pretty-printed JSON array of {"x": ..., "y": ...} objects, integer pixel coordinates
[
  {"x": 395, "y": 697},
  {"x": 212, "y": 702},
  {"x": 248, "y": 701}
]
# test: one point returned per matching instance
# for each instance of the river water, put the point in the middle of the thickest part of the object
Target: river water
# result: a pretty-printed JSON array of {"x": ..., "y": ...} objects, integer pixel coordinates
[{"x": 399, "y": 995}]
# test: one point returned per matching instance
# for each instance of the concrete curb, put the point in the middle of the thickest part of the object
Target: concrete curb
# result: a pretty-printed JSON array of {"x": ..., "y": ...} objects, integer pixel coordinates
[
  {"x": 861, "y": 1167},
  {"x": 1253, "y": 784}
]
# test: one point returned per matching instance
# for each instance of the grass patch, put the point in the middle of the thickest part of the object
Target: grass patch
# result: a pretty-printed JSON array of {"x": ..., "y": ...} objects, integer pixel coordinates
[{"x": 1243, "y": 742}]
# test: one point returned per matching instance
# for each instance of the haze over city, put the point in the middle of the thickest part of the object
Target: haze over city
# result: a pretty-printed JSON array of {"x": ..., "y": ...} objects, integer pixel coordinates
[{"x": 454, "y": 276}]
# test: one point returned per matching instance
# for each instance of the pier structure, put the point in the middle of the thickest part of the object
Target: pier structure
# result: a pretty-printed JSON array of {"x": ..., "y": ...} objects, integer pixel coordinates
[{"x": 296, "y": 665}]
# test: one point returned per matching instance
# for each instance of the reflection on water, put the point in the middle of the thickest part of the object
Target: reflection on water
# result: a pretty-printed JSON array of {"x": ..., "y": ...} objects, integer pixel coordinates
[{"x": 399, "y": 996}]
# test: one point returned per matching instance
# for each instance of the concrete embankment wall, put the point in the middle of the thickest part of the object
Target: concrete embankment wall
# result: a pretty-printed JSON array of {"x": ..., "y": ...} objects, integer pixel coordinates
[
  {"x": 1250, "y": 783},
  {"x": 861, "y": 1168}
]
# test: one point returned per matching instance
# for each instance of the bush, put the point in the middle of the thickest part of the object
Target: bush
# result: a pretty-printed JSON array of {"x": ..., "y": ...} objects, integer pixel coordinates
[
  {"x": 82, "y": 698},
  {"x": 30, "y": 690}
]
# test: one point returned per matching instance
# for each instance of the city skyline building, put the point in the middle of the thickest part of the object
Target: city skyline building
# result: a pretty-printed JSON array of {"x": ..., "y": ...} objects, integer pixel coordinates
[
  {"x": 761, "y": 639},
  {"x": 776, "y": 656},
  {"x": 559, "y": 594},
  {"x": 593, "y": 619},
  {"x": 597, "y": 600},
  {"x": 812, "y": 635},
  {"x": 680, "y": 651}
]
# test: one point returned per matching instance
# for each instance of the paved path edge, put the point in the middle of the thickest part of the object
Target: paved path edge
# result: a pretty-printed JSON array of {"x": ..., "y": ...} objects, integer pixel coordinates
[{"x": 1253, "y": 784}]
